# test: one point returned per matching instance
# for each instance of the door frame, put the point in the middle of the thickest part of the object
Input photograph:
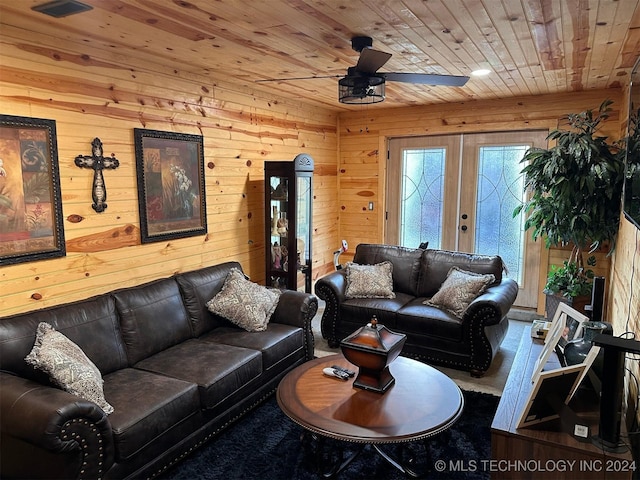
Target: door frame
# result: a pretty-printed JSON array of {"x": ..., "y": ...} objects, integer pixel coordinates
[{"x": 384, "y": 141}]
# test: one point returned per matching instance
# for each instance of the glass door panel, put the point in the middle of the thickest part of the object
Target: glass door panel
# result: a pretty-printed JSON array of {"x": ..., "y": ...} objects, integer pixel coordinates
[
  {"x": 422, "y": 196},
  {"x": 500, "y": 191},
  {"x": 420, "y": 176}
]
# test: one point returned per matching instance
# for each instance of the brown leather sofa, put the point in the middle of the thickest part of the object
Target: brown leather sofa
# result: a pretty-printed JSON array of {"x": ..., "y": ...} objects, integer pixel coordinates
[
  {"x": 433, "y": 335},
  {"x": 175, "y": 374}
]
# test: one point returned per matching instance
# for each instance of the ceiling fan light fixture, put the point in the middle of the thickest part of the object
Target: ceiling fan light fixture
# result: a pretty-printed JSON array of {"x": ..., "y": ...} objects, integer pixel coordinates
[{"x": 361, "y": 89}]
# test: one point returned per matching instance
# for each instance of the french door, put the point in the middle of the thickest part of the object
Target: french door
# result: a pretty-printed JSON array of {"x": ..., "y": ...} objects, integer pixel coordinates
[{"x": 458, "y": 192}]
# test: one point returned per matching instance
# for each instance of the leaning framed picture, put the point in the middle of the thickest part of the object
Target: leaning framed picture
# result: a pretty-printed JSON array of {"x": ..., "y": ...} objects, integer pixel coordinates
[
  {"x": 550, "y": 390},
  {"x": 30, "y": 200},
  {"x": 573, "y": 323},
  {"x": 171, "y": 195},
  {"x": 556, "y": 330}
]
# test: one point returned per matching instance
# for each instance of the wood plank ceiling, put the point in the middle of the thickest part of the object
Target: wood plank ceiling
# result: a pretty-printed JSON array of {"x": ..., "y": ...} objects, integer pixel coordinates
[{"x": 531, "y": 47}]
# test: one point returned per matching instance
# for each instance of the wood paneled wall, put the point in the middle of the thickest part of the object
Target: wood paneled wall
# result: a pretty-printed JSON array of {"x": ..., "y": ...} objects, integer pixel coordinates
[
  {"x": 624, "y": 294},
  {"x": 109, "y": 96},
  {"x": 624, "y": 291}
]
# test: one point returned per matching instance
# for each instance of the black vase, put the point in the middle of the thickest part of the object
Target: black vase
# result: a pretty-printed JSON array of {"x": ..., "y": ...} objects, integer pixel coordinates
[{"x": 576, "y": 350}]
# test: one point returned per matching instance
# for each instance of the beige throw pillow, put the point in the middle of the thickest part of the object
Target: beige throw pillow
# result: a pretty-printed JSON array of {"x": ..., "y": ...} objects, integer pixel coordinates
[
  {"x": 67, "y": 366},
  {"x": 369, "y": 281},
  {"x": 459, "y": 290},
  {"x": 244, "y": 303}
]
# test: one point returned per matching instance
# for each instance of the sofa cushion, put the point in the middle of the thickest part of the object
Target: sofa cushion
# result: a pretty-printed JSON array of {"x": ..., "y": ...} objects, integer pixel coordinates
[
  {"x": 369, "y": 281},
  {"x": 218, "y": 370},
  {"x": 435, "y": 266},
  {"x": 147, "y": 406},
  {"x": 417, "y": 318},
  {"x": 92, "y": 324},
  {"x": 200, "y": 286},
  {"x": 244, "y": 303},
  {"x": 406, "y": 263},
  {"x": 357, "y": 312},
  {"x": 152, "y": 318},
  {"x": 67, "y": 366},
  {"x": 276, "y": 343},
  {"x": 459, "y": 290}
]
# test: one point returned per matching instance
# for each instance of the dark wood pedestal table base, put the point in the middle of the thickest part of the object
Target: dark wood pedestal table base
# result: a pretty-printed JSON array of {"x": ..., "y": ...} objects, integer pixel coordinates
[{"x": 422, "y": 403}]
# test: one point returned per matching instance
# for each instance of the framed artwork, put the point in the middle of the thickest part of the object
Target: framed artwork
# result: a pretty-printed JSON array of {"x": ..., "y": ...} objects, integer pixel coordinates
[
  {"x": 30, "y": 201},
  {"x": 171, "y": 196}
]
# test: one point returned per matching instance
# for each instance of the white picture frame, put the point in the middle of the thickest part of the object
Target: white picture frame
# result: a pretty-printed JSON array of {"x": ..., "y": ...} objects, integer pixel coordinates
[
  {"x": 553, "y": 336},
  {"x": 562, "y": 381},
  {"x": 588, "y": 362},
  {"x": 573, "y": 323}
]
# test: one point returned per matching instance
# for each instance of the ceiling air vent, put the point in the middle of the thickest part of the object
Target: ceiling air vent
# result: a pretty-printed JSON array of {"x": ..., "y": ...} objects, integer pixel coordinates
[{"x": 62, "y": 8}]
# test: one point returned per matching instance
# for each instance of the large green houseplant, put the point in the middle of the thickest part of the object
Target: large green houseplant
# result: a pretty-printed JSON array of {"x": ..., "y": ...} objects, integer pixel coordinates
[{"x": 575, "y": 191}]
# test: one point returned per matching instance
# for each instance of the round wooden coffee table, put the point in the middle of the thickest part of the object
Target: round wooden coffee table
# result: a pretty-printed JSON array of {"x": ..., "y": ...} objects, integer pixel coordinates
[{"x": 422, "y": 403}]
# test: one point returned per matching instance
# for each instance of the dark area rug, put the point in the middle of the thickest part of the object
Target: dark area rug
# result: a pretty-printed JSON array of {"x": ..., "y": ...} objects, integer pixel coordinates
[{"x": 267, "y": 445}]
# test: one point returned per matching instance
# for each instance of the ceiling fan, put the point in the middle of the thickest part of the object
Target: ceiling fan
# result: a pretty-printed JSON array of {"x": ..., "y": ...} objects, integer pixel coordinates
[{"x": 364, "y": 84}]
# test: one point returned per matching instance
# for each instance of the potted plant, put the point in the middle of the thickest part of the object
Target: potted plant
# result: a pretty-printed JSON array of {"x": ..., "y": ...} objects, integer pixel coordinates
[
  {"x": 575, "y": 196},
  {"x": 569, "y": 283}
]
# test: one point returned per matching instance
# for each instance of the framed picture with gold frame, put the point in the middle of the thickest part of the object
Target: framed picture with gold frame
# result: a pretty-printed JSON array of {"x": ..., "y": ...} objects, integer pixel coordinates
[
  {"x": 30, "y": 200},
  {"x": 171, "y": 194}
]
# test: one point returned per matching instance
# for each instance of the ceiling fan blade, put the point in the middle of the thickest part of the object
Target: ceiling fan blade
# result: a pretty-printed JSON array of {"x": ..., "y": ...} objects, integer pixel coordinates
[
  {"x": 426, "y": 79},
  {"x": 295, "y": 78},
  {"x": 371, "y": 60}
]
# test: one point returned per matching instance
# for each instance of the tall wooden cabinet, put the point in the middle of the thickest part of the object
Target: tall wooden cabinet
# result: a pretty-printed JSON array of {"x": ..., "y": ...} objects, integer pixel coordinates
[{"x": 288, "y": 226}]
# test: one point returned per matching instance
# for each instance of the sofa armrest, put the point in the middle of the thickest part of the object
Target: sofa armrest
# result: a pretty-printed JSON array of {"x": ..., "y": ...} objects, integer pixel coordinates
[
  {"x": 70, "y": 434},
  {"x": 486, "y": 324},
  {"x": 335, "y": 283},
  {"x": 499, "y": 297},
  {"x": 298, "y": 309},
  {"x": 331, "y": 288}
]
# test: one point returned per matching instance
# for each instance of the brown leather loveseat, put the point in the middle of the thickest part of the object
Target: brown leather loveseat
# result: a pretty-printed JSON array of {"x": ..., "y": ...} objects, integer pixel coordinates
[
  {"x": 175, "y": 374},
  {"x": 434, "y": 335}
]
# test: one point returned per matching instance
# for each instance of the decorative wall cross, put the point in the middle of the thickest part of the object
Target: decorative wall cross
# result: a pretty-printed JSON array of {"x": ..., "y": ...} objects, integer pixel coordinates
[{"x": 98, "y": 163}]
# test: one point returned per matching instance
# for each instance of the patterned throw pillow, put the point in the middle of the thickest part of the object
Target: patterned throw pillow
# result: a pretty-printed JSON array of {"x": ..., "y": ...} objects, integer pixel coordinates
[
  {"x": 67, "y": 366},
  {"x": 369, "y": 281},
  {"x": 459, "y": 290},
  {"x": 244, "y": 303}
]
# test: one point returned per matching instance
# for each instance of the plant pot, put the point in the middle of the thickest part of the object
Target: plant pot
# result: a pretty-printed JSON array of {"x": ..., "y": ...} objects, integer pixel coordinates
[
  {"x": 577, "y": 303},
  {"x": 576, "y": 350}
]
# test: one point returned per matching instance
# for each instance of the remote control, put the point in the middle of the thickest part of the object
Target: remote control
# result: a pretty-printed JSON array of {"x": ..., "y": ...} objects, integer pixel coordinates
[
  {"x": 332, "y": 372},
  {"x": 351, "y": 373}
]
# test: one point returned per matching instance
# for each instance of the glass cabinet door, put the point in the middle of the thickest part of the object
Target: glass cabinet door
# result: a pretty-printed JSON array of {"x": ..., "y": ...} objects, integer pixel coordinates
[
  {"x": 279, "y": 230},
  {"x": 303, "y": 227}
]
